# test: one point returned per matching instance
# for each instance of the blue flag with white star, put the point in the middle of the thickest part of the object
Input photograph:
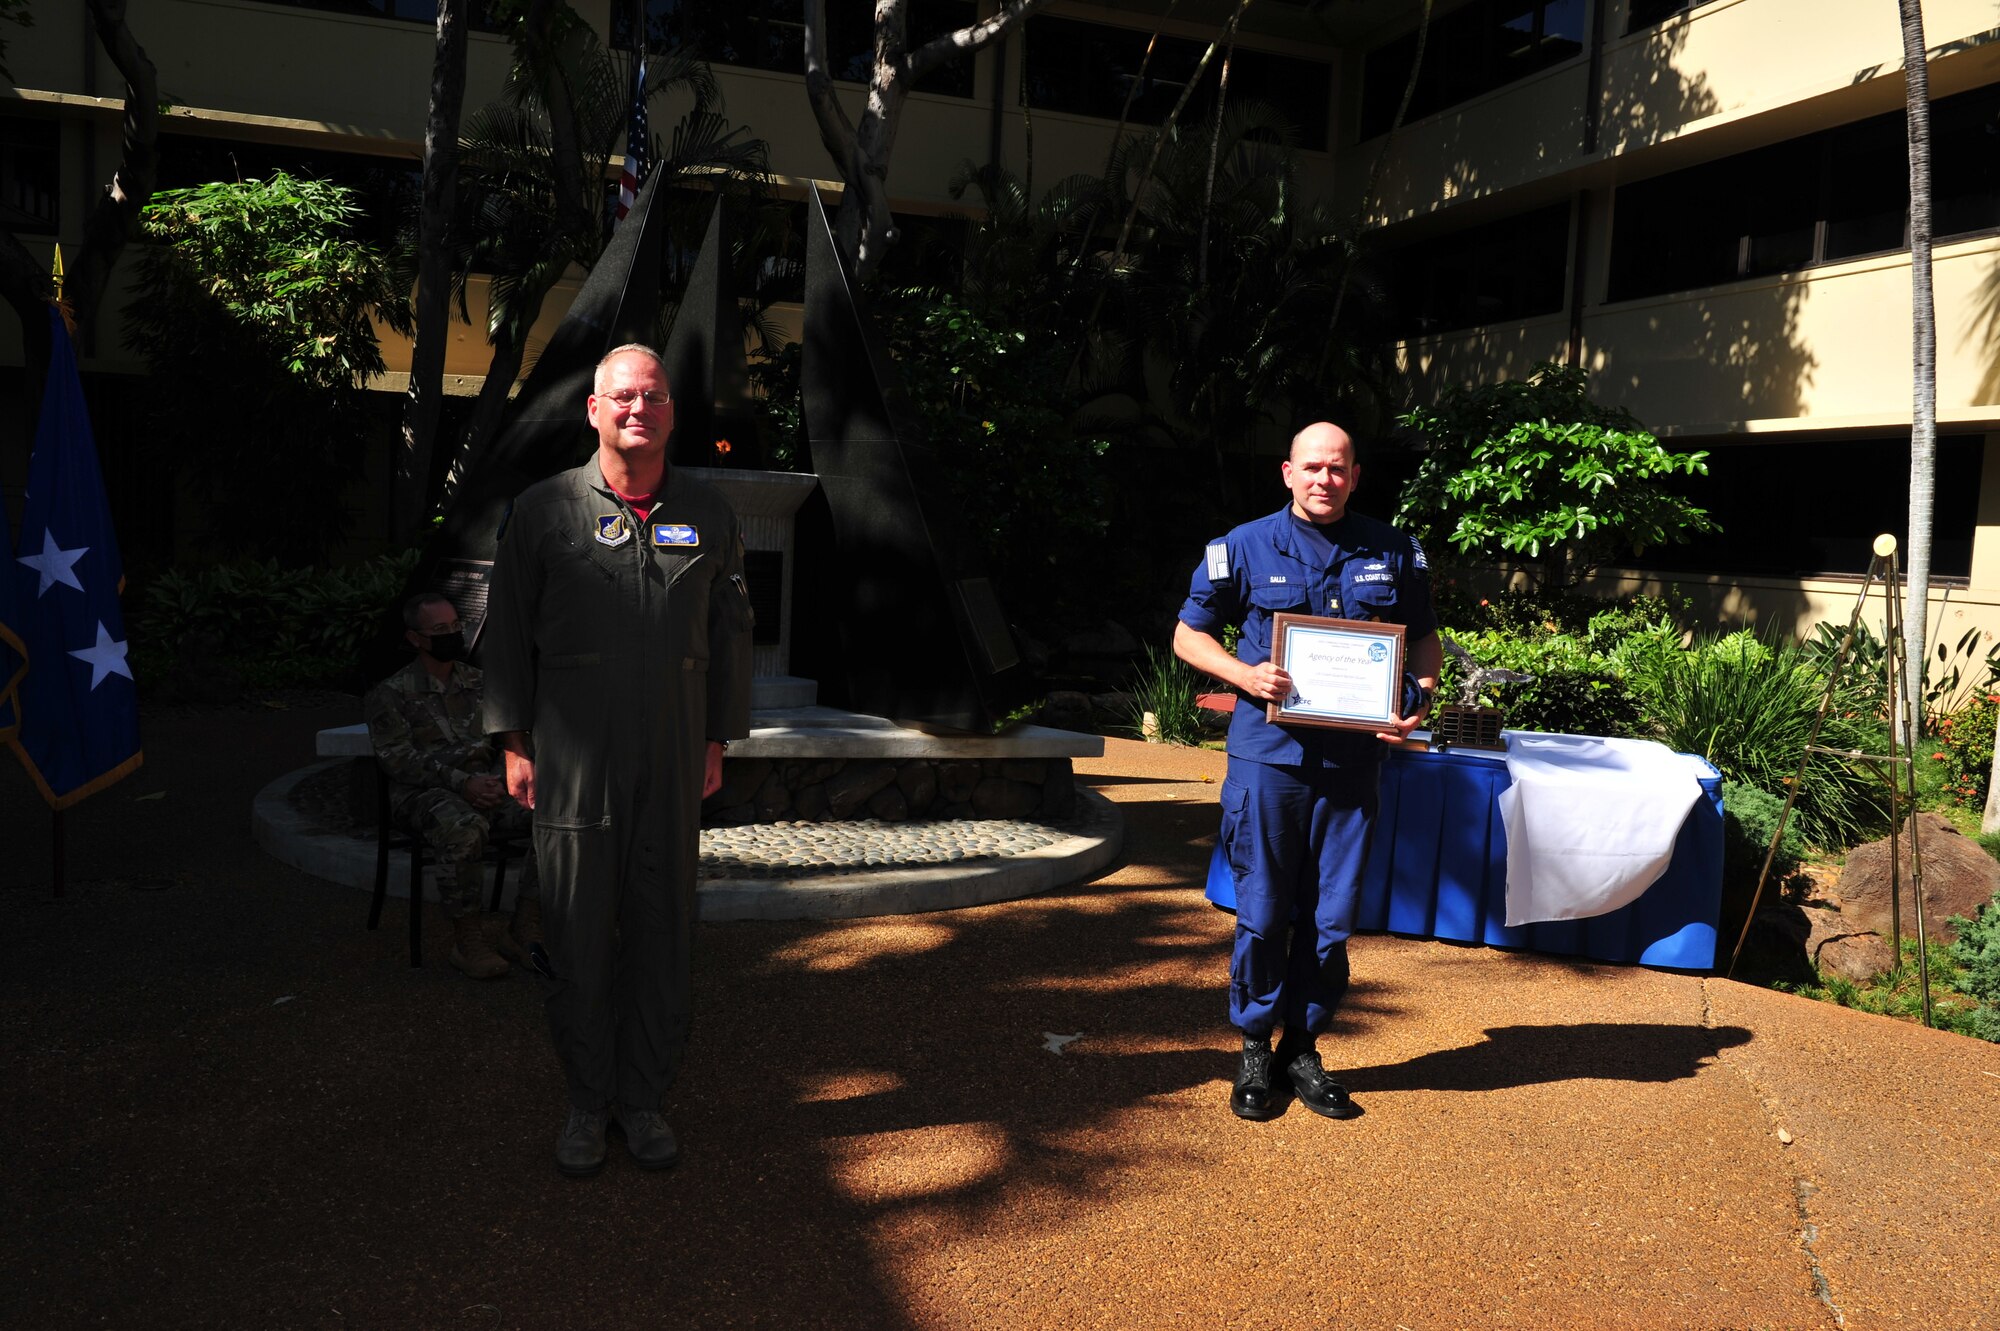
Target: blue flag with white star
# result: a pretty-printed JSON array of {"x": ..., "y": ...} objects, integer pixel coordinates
[
  {"x": 13, "y": 656},
  {"x": 79, "y": 712}
]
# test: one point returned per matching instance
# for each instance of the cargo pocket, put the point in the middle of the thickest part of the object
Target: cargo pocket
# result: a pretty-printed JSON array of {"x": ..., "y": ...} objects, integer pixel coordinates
[{"x": 1233, "y": 837}]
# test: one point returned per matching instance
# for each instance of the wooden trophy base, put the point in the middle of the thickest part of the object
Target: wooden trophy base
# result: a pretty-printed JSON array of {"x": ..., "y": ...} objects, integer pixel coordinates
[{"x": 1457, "y": 726}]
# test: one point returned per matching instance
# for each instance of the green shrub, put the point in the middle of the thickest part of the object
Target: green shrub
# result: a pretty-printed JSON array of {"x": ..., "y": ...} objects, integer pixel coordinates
[
  {"x": 1977, "y": 952},
  {"x": 1572, "y": 692},
  {"x": 1749, "y": 817},
  {"x": 1748, "y": 708},
  {"x": 1899, "y": 993},
  {"x": 1576, "y": 702},
  {"x": 1166, "y": 687},
  {"x": 1863, "y": 683},
  {"x": 1960, "y": 750},
  {"x": 275, "y": 626}
]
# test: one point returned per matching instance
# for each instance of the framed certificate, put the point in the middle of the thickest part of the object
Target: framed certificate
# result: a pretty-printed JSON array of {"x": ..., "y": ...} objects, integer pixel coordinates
[{"x": 1347, "y": 674}]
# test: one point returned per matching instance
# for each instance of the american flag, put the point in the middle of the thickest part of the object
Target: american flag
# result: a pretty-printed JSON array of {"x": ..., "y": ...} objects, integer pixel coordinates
[{"x": 636, "y": 138}]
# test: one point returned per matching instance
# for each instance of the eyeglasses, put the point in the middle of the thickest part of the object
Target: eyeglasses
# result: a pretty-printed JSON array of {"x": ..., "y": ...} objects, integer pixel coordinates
[
  {"x": 629, "y": 397},
  {"x": 456, "y": 626}
]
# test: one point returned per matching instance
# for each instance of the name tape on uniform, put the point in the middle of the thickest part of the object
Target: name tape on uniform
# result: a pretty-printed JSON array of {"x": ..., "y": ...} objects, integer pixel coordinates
[{"x": 676, "y": 533}]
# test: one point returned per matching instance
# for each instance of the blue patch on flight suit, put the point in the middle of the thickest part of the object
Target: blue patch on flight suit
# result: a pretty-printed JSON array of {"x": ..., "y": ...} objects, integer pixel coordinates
[
  {"x": 613, "y": 529},
  {"x": 675, "y": 533}
]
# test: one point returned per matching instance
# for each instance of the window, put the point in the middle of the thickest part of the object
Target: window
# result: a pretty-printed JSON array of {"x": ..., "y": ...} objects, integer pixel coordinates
[
  {"x": 1484, "y": 45},
  {"x": 1838, "y": 194},
  {"x": 931, "y": 252},
  {"x": 771, "y": 34},
  {"x": 1503, "y": 271},
  {"x": 30, "y": 173},
  {"x": 1837, "y": 497},
  {"x": 1087, "y": 68},
  {"x": 386, "y": 188},
  {"x": 1645, "y": 13},
  {"x": 485, "y": 15}
]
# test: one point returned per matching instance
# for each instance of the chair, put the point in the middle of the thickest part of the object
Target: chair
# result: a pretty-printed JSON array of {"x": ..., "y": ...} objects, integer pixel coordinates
[{"x": 389, "y": 837}]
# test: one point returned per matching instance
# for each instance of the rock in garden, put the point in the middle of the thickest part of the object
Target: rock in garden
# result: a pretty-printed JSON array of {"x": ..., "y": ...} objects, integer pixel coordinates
[
  {"x": 1030, "y": 770},
  {"x": 997, "y": 797},
  {"x": 811, "y": 771},
  {"x": 1066, "y": 709},
  {"x": 1959, "y": 878},
  {"x": 850, "y": 789},
  {"x": 809, "y": 803},
  {"x": 889, "y": 805},
  {"x": 1111, "y": 709},
  {"x": 918, "y": 782},
  {"x": 1110, "y": 639},
  {"x": 957, "y": 780},
  {"x": 1837, "y": 945},
  {"x": 772, "y": 798},
  {"x": 741, "y": 778}
]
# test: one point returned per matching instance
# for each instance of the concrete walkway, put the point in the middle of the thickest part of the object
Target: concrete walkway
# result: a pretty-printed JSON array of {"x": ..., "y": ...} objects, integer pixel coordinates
[{"x": 231, "y": 1106}]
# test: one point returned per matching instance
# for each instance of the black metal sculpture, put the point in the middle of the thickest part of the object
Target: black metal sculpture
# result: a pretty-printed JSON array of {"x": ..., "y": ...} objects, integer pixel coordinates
[
  {"x": 544, "y": 432},
  {"x": 707, "y": 366},
  {"x": 902, "y": 624}
]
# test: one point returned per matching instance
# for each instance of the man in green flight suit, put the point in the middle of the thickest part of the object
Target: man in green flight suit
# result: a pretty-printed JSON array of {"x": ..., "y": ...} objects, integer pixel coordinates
[{"x": 617, "y": 654}]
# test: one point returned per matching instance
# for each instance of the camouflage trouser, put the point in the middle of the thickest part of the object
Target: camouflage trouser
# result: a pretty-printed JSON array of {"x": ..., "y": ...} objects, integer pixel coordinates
[{"x": 457, "y": 833}]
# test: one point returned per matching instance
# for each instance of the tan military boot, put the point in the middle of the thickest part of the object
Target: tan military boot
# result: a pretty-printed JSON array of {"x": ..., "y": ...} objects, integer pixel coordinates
[
  {"x": 470, "y": 952},
  {"x": 523, "y": 931}
]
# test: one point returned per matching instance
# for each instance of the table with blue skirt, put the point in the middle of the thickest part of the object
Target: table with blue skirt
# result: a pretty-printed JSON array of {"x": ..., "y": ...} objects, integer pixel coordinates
[{"x": 1437, "y": 868}]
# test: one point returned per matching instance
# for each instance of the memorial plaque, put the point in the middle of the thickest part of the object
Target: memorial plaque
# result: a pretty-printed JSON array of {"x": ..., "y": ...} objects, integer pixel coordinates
[{"x": 466, "y": 583}]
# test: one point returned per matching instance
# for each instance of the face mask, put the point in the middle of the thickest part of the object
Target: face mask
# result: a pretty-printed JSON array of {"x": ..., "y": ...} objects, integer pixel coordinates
[{"x": 448, "y": 646}]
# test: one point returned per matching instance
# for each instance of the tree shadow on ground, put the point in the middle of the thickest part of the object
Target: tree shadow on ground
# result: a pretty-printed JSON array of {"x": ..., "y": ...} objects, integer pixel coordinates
[{"x": 254, "y": 1112}]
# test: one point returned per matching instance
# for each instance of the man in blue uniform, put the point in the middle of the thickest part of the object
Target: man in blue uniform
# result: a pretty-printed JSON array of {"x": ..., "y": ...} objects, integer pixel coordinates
[{"x": 1299, "y": 802}]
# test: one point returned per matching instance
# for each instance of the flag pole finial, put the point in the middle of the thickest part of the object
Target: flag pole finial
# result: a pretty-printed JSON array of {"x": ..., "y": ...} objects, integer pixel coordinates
[{"x": 62, "y": 306}]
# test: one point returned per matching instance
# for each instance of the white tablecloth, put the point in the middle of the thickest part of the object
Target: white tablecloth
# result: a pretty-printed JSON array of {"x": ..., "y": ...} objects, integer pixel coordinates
[{"x": 1590, "y": 822}]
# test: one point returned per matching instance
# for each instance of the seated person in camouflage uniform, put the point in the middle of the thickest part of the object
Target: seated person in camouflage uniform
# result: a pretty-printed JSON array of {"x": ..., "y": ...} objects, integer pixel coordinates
[{"x": 446, "y": 785}]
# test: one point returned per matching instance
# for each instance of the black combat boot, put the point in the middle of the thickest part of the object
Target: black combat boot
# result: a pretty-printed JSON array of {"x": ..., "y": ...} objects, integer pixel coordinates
[
  {"x": 580, "y": 1147},
  {"x": 1253, "y": 1096},
  {"x": 1300, "y": 1064}
]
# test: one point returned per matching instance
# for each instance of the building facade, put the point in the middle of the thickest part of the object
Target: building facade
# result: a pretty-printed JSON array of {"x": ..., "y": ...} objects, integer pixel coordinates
[{"x": 1701, "y": 204}]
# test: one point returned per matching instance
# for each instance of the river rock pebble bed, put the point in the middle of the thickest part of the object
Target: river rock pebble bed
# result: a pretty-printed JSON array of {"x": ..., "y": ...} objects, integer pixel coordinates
[{"x": 870, "y": 845}]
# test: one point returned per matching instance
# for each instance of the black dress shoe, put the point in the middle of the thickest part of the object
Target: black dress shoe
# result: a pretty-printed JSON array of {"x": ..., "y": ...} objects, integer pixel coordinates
[
  {"x": 1319, "y": 1092},
  {"x": 647, "y": 1135},
  {"x": 1254, "y": 1097}
]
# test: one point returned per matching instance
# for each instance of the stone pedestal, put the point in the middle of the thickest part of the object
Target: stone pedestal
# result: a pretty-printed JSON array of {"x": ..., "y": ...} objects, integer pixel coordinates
[
  {"x": 766, "y": 503},
  {"x": 817, "y": 764}
]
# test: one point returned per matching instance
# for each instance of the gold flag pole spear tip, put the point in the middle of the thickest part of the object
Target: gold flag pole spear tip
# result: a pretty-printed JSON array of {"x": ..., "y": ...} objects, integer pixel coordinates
[{"x": 62, "y": 306}]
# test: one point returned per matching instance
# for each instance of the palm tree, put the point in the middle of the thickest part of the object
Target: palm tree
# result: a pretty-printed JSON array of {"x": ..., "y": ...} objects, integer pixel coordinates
[
  {"x": 423, "y": 401},
  {"x": 1923, "y": 370}
]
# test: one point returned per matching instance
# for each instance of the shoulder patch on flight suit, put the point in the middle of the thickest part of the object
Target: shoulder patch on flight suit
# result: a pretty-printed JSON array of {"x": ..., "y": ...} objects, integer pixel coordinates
[
  {"x": 676, "y": 533},
  {"x": 1218, "y": 561},
  {"x": 613, "y": 529},
  {"x": 1417, "y": 549}
]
